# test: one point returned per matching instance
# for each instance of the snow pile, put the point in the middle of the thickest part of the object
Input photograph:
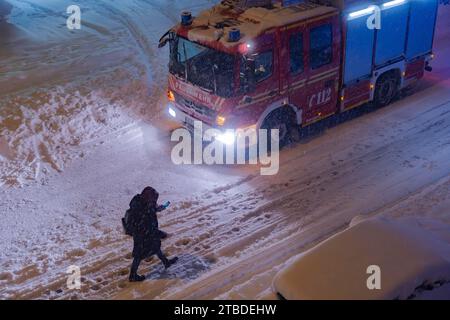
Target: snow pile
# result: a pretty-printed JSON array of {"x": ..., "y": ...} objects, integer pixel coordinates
[
  {"x": 45, "y": 131},
  {"x": 408, "y": 257},
  {"x": 232, "y": 228},
  {"x": 73, "y": 88}
]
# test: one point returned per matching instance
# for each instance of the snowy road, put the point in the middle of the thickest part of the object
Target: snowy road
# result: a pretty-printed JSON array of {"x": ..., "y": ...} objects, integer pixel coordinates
[{"x": 231, "y": 227}]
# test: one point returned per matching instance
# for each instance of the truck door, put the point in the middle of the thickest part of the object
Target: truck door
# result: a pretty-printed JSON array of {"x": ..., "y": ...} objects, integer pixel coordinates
[
  {"x": 266, "y": 88},
  {"x": 295, "y": 41},
  {"x": 323, "y": 67}
]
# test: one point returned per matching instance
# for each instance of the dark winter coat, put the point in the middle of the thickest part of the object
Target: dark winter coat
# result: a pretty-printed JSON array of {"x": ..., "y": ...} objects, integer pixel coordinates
[{"x": 146, "y": 235}]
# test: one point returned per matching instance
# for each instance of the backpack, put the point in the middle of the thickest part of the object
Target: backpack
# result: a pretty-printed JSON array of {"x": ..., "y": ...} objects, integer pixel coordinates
[{"x": 128, "y": 223}]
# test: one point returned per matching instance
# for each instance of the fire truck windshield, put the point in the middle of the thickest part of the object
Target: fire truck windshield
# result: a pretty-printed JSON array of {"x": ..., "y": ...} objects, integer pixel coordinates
[{"x": 202, "y": 66}]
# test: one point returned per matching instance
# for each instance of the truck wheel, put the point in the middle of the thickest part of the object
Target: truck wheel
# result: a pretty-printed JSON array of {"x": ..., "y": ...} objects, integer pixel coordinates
[
  {"x": 283, "y": 119},
  {"x": 386, "y": 89}
]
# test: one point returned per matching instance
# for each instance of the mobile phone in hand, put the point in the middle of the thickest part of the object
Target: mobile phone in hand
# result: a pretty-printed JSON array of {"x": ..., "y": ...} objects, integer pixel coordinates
[{"x": 166, "y": 204}]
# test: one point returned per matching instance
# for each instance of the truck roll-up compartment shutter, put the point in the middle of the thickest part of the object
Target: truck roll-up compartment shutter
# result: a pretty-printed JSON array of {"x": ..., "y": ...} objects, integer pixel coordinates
[
  {"x": 406, "y": 32},
  {"x": 358, "y": 50},
  {"x": 391, "y": 38},
  {"x": 422, "y": 21}
]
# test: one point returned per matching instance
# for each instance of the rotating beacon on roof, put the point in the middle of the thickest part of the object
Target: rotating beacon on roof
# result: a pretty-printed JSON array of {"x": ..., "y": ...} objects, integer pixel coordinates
[{"x": 267, "y": 64}]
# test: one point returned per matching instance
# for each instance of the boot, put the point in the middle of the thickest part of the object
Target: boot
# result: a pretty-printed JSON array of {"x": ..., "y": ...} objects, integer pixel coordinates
[
  {"x": 162, "y": 234},
  {"x": 170, "y": 262},
  {"x": 136, "y": 278}
]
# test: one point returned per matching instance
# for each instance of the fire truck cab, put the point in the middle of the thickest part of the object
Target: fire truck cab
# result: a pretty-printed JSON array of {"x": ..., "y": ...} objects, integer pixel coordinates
[{"x": 284, "y": 64}]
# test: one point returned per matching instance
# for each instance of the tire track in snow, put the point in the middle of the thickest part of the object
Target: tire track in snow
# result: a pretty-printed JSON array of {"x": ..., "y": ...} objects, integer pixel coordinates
[
  {"x": 113, "y": 255},
  {"x": 302, "y": 194},
  {"x": 373, "y": 157},
  {"x": 155, "y": 73}
]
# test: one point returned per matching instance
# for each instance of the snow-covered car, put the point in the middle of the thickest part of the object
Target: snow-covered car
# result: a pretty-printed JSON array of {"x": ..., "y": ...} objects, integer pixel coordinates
[{"x": 373, "y": 259}]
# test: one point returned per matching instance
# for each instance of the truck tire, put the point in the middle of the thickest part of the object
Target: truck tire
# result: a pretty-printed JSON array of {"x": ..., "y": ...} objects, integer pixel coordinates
[
  {"x": 283, "y": 119},
  {"x": 386, "y": 89}
]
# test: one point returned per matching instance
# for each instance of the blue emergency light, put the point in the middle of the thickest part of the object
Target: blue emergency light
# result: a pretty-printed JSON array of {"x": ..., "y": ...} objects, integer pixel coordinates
[
  {"x": 186, "y": 18},
  {"x": 234, "y": 35}
]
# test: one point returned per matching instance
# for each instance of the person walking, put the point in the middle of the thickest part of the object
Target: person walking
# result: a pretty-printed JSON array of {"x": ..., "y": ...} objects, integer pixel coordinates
[{"x": 145, "y": 231}]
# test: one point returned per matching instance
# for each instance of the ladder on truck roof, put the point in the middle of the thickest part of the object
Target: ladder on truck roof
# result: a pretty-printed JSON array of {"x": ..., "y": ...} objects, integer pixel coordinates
[
  {"x": 340, "y": 4},
  {"x": 246, "y": 4}
]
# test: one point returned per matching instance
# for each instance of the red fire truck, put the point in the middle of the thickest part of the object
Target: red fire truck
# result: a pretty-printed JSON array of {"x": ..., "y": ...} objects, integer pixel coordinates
[{"x": 288, "y": 64}]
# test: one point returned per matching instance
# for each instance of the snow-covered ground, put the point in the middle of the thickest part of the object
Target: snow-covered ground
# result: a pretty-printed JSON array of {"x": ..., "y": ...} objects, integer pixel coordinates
[{"x": 82, "y": 130}]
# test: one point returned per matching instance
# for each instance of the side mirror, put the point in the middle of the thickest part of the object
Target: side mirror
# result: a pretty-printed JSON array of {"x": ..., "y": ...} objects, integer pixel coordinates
[
  {"x": 167, "y": 37},
  {"x": 163, "y": 43}
]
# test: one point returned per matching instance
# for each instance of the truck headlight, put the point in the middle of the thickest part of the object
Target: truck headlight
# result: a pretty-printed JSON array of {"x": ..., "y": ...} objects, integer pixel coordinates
[{"x": 172, "y": 112}]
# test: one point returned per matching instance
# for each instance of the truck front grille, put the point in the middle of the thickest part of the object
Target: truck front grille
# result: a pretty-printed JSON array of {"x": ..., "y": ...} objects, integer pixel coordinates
[{"x": 196, "y": 108}]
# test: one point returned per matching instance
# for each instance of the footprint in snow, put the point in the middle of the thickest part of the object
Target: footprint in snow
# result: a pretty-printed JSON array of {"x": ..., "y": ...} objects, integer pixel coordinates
[{"x": 182, "y": 242}]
